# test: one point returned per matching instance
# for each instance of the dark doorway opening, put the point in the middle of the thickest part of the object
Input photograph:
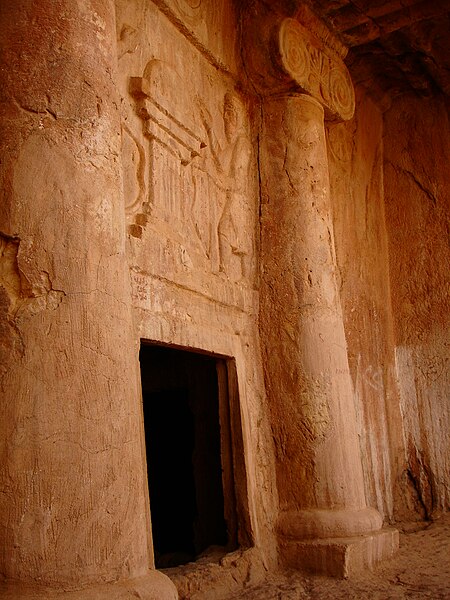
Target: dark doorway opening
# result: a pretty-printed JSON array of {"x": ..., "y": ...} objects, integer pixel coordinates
[{"x": 189, "y": 454}]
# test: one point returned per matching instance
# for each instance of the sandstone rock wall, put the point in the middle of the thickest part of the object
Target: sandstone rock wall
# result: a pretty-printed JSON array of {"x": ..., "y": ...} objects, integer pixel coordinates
[
  {"x": 131, "y": 211},
  {"x": 416, "y": 168},
  {"x": 355, "y": 152},
  {"x": 191, "y": 196},
  {"x": 388, "y": 176}
]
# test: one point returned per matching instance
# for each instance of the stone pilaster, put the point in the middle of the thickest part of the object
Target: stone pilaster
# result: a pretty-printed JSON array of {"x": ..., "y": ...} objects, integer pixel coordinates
[
  {"x": 324, "y": 523},
  {"x": 73, "y": 504}
]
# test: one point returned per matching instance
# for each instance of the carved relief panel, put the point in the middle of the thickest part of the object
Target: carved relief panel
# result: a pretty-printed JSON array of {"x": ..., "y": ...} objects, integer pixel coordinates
[
  {"x": 188, "y": 178},
  {"x": 224, "y": 175}
]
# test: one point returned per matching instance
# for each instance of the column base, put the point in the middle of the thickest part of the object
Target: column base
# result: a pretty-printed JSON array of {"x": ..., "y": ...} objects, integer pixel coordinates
[
  {"x": 339, "y": 557},
  {"x": 154, "y": 586}
]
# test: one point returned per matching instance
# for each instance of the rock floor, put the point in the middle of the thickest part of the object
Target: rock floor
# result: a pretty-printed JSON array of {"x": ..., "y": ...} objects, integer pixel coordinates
[{"x": 421, "y": 569}]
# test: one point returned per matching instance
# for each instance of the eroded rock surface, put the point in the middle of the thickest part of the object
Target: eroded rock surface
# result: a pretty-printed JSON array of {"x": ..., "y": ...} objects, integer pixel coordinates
[{"x": 264, "y": 183}]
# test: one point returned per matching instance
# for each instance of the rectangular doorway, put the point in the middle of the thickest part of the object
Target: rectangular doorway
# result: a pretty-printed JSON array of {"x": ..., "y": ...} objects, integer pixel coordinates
[{"x": 189, "y": 450}]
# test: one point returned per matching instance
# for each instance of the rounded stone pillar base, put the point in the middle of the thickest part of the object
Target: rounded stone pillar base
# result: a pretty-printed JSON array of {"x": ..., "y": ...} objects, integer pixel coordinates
[
  {"x": 338, "y": 557},
  {"x": 153, "y": 586},
  {"x": 317, "y": 523}
]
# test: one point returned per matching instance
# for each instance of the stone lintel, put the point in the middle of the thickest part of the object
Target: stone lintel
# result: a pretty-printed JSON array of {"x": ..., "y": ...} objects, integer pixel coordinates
[
  {"x": 316, "y": 69},
  {"x": 339, "y": 557}
]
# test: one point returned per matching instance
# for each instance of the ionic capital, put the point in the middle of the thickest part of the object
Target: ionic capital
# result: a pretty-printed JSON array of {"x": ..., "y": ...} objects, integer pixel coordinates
[
  {"x": 316, "y": 70},
  {"x": 292, "y": 53}
]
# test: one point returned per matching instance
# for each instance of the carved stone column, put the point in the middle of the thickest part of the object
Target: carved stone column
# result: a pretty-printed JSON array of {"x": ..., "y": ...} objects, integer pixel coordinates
[
  {"x": 324, "y": 523},
  {"x": 74, "y": 515}
]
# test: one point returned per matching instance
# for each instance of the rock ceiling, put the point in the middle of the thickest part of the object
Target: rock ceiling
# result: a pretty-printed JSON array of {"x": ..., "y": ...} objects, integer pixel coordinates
[{"x": 395, "y": 45}]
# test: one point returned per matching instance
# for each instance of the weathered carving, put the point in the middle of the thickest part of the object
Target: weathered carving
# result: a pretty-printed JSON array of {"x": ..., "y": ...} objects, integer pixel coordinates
[
  {"x": 134, "y": 181},
  {"x": 192, "y": 11},
  {"x": 316, "y": 70},
  {"x": 340, "y": 142},
  {"x": 196, "y": 171},
  {"x": 232, "y": 237},
  {"x": 127, "y": 41},
  {"x": 161, "y": 101},
  {"x": 161, "y": 124}
]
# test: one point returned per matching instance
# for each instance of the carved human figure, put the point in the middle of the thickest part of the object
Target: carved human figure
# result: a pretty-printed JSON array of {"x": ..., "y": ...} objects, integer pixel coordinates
[{"x": 232, "y": 234}]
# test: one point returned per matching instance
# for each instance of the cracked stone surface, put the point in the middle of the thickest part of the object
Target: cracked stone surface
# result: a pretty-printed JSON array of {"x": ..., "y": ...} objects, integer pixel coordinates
[{"x": 135, "y": 206}]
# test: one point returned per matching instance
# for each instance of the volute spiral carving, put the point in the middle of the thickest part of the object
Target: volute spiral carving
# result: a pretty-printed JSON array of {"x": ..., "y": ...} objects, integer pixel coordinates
[{"x": 316, "y": 70}]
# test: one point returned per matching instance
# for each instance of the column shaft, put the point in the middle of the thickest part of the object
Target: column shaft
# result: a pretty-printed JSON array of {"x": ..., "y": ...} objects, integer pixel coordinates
[
  {"x": 73, "y": 507},
  {"x": 320, "y": 479}
]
